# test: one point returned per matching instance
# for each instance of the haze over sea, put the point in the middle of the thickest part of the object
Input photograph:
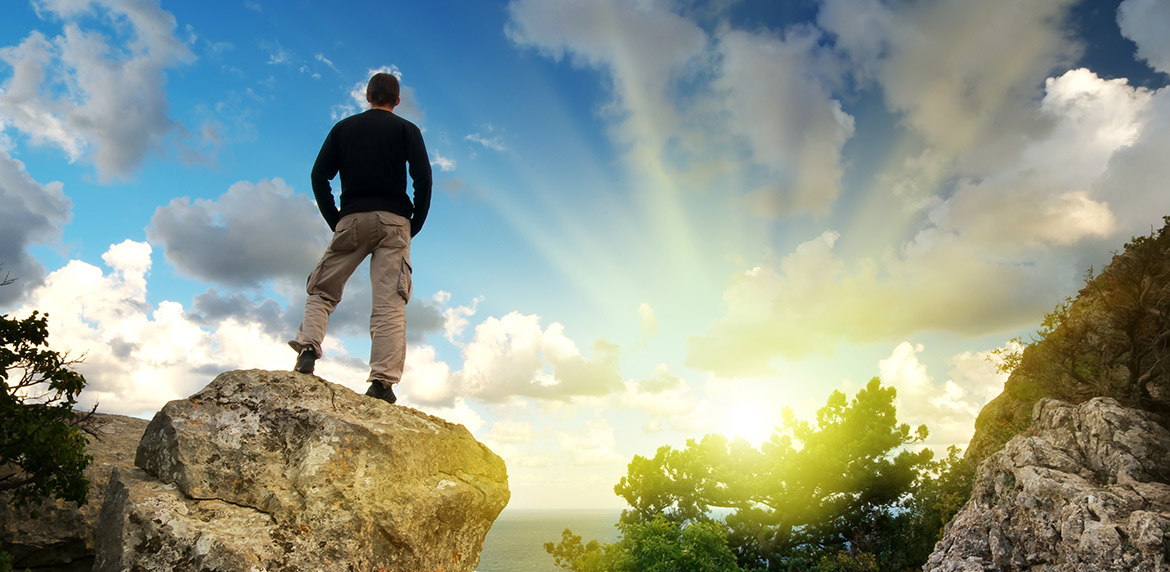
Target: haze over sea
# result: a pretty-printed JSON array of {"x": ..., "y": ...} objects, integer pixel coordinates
[{"x": 516, "y": 541}]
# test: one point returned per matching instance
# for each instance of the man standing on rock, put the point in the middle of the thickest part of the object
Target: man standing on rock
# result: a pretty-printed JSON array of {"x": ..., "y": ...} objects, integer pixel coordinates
[{"x": 371, "y": 150}]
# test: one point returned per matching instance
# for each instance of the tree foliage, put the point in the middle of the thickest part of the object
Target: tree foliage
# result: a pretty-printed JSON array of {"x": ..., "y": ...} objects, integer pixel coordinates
[
  {"x": 656, "y": 545},
  {"x": 42, "y": 444},
  {"x": 830, "y": 494}
]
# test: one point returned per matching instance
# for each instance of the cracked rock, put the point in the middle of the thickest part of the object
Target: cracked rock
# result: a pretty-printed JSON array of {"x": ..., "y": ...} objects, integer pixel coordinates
[
  {"x": 1087, "y": 488},
  {"x": 265, "y": 470}
]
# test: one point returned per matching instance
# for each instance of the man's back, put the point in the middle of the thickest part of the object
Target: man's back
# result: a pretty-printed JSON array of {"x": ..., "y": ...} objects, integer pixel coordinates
[{"x": 371, "y": 151}]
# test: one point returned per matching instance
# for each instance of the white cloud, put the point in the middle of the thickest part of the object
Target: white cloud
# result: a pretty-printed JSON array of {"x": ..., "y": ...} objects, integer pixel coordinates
[
  {"x": 277, "y": 54},
  {"x": 321, "y": 58},
  {"x": 32, "y": 214},
  {"x": 455, "y": 318},
  {"x": 495, "y": 143},
  {"x": 508, "y": 431},
  {"x": 778, "y": 97},
  {"x": 104, "y": 100},
  {"x": 426, "y": 379},
  {"x": 592, "y": 445},
  {"x": 26, "y": 108},
  {"x": 963, "y": 75},
  {"x": 513, "y": 356},
  {"x": 948, "y": 409},
  {"x": 662, "y": 395},
  {"x": 138, "y": 356},
  {"x": 445, "y": 164},
  {"x": 223, "y": 241},
  {"x": 1134, "y": 185},
  {"x": 460, "y": 412},
  {"x": 1147, "y": 23},
  {"x": 986, "y": 258}
]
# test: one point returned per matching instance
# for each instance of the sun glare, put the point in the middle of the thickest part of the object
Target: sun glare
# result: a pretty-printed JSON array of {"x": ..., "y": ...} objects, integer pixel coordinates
[{"x": 752, "y": 421}]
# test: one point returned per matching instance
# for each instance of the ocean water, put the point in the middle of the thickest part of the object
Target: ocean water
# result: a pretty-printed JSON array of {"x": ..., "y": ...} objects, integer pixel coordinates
[{"x": 516, "y": 540}]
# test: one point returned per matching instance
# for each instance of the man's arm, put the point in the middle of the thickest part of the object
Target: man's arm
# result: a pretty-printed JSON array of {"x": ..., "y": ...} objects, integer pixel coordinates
[
  {"x": 420, "y": 175},
  {"x": 324, "y": 169}
]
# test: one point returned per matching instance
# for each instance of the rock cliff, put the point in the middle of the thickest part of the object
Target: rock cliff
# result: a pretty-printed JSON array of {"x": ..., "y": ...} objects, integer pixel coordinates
[
  {"x": 1087, "y": 487},
  {"x": 61, "y": 537},
  {"x": 283, "y": 471},
  {"x": 272, "y": 471}
]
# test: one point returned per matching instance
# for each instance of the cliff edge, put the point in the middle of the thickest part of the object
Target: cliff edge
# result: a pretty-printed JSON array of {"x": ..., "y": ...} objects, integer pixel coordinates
[{"x": 1086, "y": 488}]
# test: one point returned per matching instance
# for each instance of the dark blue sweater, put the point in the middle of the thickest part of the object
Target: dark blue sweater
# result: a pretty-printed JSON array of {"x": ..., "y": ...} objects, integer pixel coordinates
[{"x": 371, "y": 150}]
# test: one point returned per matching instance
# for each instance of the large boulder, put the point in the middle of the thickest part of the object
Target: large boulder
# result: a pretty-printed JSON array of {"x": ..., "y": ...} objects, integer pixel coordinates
[
  {"x": 58, "y": 536},
  {"x": 284, "y": 471},
  {"x": 1086, "y": 488}
]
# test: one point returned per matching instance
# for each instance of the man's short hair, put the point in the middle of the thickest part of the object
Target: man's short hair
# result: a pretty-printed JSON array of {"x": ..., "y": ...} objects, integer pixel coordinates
[{"x": 383, "y": 90}]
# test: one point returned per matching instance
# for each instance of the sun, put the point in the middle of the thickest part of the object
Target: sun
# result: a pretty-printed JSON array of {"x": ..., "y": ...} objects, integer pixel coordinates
[{"x": 752, "y": 421}]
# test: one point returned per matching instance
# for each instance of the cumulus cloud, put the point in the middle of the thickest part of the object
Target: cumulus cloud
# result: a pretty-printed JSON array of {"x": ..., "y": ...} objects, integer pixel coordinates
[
  {"x": 514, "y": 356},
  {"x": 137, "y": 356},
  {"x": 510, "y": 357},
  {"x": 948, "y": 409},
  {"x": 961, "y": 75},
  {"x": 79, "y": 92},
  {"x": 211, "y": 308},
  {"x": 1134, "y": 185},
  {"x": 592, "y": 445},
  {"x": 984, "y": 259},
  {"x": 1147, "y": 23},
  {"x": 32, "y": 214},
  {"x": 455, "y": 318},
  {"x": 223, "y": 241},
  {"x": 665, "y": 397}
]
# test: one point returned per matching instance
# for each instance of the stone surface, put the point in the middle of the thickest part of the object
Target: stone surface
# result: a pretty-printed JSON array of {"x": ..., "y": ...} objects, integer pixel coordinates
[
  {"x": 1086, "y": 488},
  {"x": 61, "y": 537},
  {"x": 284, "y": 471}
]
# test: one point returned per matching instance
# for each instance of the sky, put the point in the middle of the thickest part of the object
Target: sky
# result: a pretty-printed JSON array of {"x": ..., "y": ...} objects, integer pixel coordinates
[{"x": 652, "y": 219}]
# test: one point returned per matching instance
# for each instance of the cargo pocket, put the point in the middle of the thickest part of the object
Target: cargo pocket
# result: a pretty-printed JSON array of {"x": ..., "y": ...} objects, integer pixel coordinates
[
  {"x": 396, "y": 228},
  {"x": 312, "y": 280},
  {"x": 345, "y": 238},
  {"x": 405, "y": 284}
]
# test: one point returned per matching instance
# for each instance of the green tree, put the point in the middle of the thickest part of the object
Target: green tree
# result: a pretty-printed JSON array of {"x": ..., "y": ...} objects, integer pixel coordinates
[
  {"x": 42, "y": 443},
  {"x": 839, "y": 485},
  {"x": 943, "y": 489},
  {"x": 657, "y": 545}
]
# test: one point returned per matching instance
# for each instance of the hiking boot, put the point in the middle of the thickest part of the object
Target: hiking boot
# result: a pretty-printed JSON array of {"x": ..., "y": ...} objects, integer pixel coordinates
[
  {"x": 379, "y": 391},
  {"x": 305, "y": 361}
]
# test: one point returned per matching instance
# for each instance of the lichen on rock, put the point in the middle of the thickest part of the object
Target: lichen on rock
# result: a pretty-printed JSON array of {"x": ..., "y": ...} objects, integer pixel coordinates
[
  {"x": 1086, "y": 488},
  {"x": 278, "y": 470}
]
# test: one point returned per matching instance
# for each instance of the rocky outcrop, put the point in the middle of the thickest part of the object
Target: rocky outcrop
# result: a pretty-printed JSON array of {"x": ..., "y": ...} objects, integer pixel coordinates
[
  {"x": 1086, "y": 488},
  {"x": 60, "y": 538},
  {"x": 1113, "y": 340},
  {"x": 283, "y": 471}
]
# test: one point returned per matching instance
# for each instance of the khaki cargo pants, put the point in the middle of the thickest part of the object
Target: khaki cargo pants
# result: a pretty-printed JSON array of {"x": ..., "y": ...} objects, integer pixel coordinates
[{"x": 385, "y": 236}]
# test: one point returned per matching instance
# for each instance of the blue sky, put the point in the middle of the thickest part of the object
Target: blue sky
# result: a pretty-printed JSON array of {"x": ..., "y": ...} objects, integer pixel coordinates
[{"x": 652, "y": 219}]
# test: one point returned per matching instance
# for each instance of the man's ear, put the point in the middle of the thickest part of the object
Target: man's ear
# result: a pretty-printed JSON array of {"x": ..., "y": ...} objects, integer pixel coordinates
[
  {"x": 397, "y": 101},
  {"x": 368, "y": 98}
]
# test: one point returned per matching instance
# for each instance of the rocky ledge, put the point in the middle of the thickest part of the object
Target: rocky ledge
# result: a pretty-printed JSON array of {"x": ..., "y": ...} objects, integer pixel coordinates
[
  {"x": 266, "y": 471},
  {"x": 1086, "y": 488},
  {"x": 58, "y": 536}
]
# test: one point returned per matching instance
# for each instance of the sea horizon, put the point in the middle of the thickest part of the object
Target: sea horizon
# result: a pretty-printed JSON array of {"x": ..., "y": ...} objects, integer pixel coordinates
[{"x": 516, "y": 541}]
